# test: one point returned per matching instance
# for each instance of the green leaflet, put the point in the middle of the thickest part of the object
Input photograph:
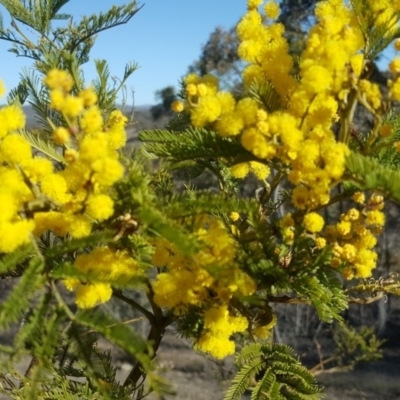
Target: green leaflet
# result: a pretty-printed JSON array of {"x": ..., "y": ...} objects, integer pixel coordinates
[
  {"x": 325, "y": 292},
  {"x": 42, "y": 146},
  {"x": 18, "y": 302},
  {"x": 116, "y": 332},
  {"x": 191, "y": 144},
  {"x": 367, "y": 173},
  {"x": 283, "y": 376}
]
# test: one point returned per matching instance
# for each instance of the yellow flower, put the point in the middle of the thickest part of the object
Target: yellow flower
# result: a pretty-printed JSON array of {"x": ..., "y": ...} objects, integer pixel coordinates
[
  {"x": 72, "y": 106},
  {"x": 37, "y": 168},
  {"x": 240, "y": 170},
  {"x": 227, "y": 102},
  {"x": 12, "y": 118},
  {"x": 61, "y": 135},
  {"x": 92, "y": 120},
  {"x": 100, "y": 206},
  {"x": 14, "y": 234},
  {"x": 375, "y": 217},
  {"x": 313, "y": 222},
  {"x": 9, "y": 206},
  {"x": 343, "y": 228},
  {"x": 107, "y": 265},
  {"x": 359, "y": 197},
  {"x": 202, "y": 89},
  {"x": 247, "y": 109},
  {"x": 394, "y": 65},
  {"x": 79, "y": 226},
  {"x": 320, "y": 242},
  {"x": 177, "y": 106},
  {"x": 287, "y": 221},
  {"x": 261, "y": 171},
  {"x": 253, "y": 4},
  {"x": 58, "y": 79},
  {"x": 219, "y": 325},
  {"x": 300, "y": 197},
  {"x": 316, "y": 79},
  {"x": 234, "y": 216},
  {"x": 207, "y": 110},
  {"x": 218, "y": 347},
  {"x": 50, "y": 221},
  {"x": 107, "y": 171},
  {"x": 92, "y": 294},
  {"x": 15, "y": 149},
  {"x": 71, "y": 283},
  {"x": 229, "y": 124},
  {"x": 272, "y": 10},
  {"x": 55, "y": 187},
  {"x": 71, "y": 155},
  {"x": 192, "y": 78},
  {"x": 57, "y": 98},
  {"x": 89, "y": 97}
]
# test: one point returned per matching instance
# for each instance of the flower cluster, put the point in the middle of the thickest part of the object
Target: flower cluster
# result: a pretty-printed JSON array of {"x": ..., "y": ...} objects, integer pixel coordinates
[
  {"x": 208, "y": 277},
  {"x": 353, "y": 237},
  {"x": 103, "y": 267},
  {"x": 15, "y": 154},
  {"x": 36, "y": 197},
  {"x": 298, "y": 136},
  {"x": 219, "y": 325}
]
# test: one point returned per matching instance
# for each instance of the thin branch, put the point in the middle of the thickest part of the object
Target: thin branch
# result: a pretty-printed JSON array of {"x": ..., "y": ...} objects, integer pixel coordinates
[
  {"x": 95, "y": 32},
  {"x": 366, "y": 300},
  {"x": 62, "y": 302},
  {"x": 352, "y": 300},
  {"x": 135, "y": 305},
  {"x": 288, "y": 300}
]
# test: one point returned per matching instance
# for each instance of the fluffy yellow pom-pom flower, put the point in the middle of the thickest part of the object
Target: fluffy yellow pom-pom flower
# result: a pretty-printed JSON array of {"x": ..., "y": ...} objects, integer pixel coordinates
[
  {"x": 100, "y": 206},
  {"x": 90, "y": 295},
  {"x": 313, "y": 222},
  {"x": 177, "y": 106},
  {"x": 15, "y": 149}
]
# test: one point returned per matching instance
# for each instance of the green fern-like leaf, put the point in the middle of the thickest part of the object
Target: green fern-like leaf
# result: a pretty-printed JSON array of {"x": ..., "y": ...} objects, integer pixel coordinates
[
  {"x": 116, "y": 332},
  {"x": 266, "y": 387},
  {"x": 367, "y": 173},
  {"x": 10, "y": 263},
  {"x": 325, "y": 292},
  {"x": 266, "y": 95},
  {"x": 63, "y": 247},
  {"x": 42, "y": 145},
  {"x": 13, "y": 308},
  {"x": 186, "y": 204},
  {"x": 283, "y": 377},
  {"x": 242, "y": 380},
  {"x": 191, "y": 144}
]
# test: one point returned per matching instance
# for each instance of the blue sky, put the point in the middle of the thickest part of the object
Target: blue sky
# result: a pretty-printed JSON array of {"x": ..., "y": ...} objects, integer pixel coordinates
[{"x": 164, "y": 38}]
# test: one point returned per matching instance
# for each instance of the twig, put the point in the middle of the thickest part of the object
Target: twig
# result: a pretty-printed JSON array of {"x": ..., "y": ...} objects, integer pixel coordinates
[{"x": 135, "y": 305}]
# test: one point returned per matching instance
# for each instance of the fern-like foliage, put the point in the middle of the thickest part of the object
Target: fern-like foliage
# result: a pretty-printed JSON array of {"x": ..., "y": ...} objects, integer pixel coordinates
[
  {"x": 272, "y": 372},
  {"x": 191, "y": 144},
  {"x": 367, "y": 173},
  {"x": 12, "y": 309},
  {"x": 190, "y": 204},
  {"x": 325, "y": 292},
  {"x": 266, "y": 95},
  {"x": 42, "y": 145}
]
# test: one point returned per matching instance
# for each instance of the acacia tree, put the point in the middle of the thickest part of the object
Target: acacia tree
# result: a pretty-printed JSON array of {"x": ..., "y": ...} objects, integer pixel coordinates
[{"x": 80, "y": 215}]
